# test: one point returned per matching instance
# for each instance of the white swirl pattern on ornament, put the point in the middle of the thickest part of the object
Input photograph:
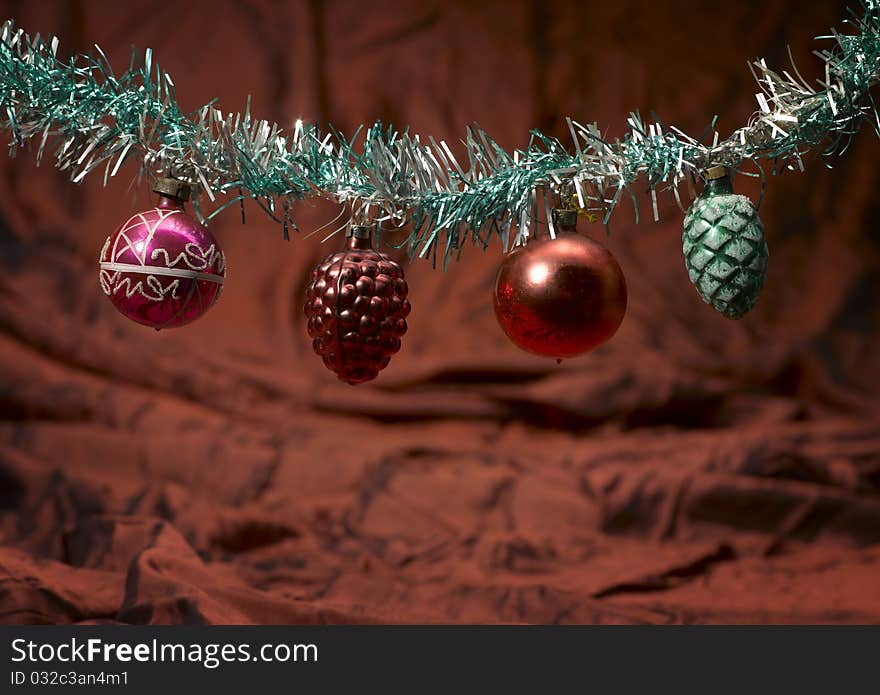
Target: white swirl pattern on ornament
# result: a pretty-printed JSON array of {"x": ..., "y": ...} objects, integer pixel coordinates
[
  {"x": 195, "y": 257},
  {"x": 114, "y": 276}
]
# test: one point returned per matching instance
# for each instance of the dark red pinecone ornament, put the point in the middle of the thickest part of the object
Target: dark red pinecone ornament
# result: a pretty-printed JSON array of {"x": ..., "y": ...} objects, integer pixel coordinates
[{"x": 356, "y": 308}]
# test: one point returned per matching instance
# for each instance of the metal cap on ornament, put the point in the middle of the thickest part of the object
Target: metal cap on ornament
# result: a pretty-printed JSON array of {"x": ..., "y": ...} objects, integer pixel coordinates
[
  {"x": 360, "y": 231},
  {"x": 360, "y": 236},
  {"x": 564, "y": 215},
  {"x": 565, "y": 219},
  {"x": 716, "y": 172},
  {"x": 174, "y": 188}
]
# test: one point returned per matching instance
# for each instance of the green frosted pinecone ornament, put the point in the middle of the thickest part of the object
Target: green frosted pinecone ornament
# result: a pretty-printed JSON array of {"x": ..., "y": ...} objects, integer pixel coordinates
[{"x": 725, "y": 252}]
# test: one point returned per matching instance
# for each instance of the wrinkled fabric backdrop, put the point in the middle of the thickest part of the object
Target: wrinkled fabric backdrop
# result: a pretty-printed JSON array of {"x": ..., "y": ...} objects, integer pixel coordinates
[{"x": 693, "y": 469}]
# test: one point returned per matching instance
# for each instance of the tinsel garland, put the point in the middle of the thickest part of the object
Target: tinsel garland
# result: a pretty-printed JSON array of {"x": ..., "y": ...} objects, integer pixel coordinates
[{"x": 98, "y": 120}]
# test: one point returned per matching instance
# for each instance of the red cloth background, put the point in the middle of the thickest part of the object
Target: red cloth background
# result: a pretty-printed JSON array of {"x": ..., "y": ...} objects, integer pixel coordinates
[{"x": 694, "y": 469}]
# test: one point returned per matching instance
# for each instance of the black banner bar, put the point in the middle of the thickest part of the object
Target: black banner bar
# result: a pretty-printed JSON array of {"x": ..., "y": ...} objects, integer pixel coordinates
[{"x": 456, "y": 659}]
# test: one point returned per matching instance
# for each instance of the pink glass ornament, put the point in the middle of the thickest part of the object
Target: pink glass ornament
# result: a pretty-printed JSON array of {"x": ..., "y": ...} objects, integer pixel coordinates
[{"x": 162, "y": 268}]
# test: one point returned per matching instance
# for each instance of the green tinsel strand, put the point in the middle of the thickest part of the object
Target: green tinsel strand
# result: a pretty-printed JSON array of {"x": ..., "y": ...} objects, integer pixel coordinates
[{"x": 99, "y": 121}]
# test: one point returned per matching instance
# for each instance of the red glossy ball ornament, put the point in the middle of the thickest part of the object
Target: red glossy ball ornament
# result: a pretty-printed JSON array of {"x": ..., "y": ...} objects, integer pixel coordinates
[
  {"x": 560, "y": 297},
  {"x": 356, "y": 308},
  {"x": 162, "y": 268}
]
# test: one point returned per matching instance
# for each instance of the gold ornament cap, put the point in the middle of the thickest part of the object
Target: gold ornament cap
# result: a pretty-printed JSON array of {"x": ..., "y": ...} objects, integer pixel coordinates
[
  {"x": 716, "y": 172},
  {"x": 175, "y": 188}
]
